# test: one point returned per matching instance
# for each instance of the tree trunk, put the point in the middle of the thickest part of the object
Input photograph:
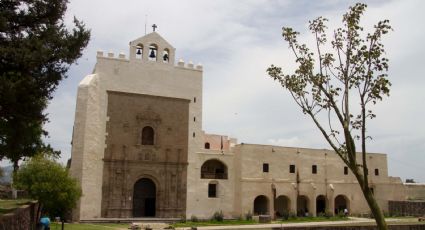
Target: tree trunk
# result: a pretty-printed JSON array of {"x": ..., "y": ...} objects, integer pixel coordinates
[
  {"x": 371, "y": 201},
  {"x": 15, "y": 170}
]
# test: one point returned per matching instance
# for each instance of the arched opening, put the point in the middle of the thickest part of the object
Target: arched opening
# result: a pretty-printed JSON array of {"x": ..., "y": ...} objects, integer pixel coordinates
[
  {"x": 165, "y": 55},
  {"x": 341, "y": 203},
  {"x": 153, "y": 52},
  {"x": 144, "y": 198},
  {"x": 282, "y": 205},
  {"x": 320, "y": 204},
  {"x": 207, "y": 145},
  {"x": 213, "y": 169},
  {"x": 261, "y": 205},
  {"x": 302, "y": 206},
  {"x": 139, "y": 51},
  {"x": 148, "y": 135}
]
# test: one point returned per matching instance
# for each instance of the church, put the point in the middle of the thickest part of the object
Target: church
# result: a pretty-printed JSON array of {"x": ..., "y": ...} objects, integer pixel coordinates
[{"x": 139, "y": 151}]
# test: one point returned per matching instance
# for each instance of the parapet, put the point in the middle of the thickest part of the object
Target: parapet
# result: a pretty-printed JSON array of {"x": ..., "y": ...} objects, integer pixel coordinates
[
  {"x": 111, "y": 55},
  {"x": 189, "y": 65},
  {"x": 122, "y": 57}
]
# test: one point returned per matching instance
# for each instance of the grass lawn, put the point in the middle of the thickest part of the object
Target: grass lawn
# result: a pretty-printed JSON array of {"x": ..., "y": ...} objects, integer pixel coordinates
[
  {"x": 10, "y": 205},
  {"x": 212, "y": 223},
  {"x": 76, "y": 226},
  {"x": 312, "y": 219},
  {"x": 242, "y": 222}
]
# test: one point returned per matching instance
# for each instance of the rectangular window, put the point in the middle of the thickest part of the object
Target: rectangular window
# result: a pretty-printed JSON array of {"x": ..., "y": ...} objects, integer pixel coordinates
[
  {"x": 291, "y": 168},
  {"x": 265, "y": 167},
  {"x": 194, "y": 100},
  {"x": 212, "y": 190},
  {"x": 314, "y": 169},
  {"x": 345, "y": 170},
  {"x": 376, "y": 172}
]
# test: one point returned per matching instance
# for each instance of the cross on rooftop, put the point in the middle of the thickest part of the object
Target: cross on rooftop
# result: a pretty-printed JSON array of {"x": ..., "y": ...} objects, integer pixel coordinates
[{"x": 154, "y": 26}]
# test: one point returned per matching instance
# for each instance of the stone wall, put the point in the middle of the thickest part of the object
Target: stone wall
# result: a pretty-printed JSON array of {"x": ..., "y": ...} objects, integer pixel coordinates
[
  {"x": 390, "y": 227},
  {"x": 23, "y": 218},
  {"x": 407, "y": 208}
]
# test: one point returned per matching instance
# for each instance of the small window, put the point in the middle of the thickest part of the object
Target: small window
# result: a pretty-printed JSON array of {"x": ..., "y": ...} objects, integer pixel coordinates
[
  {"x": 291, "y": 168},
  {"x": 147, "y": 136},
  {"x": 345, "y": 170},
  {"x": 207, "y": 145},
  {"x": 212, "y": 190},
  {"x": 266, "y": 167},
  {"x": 376, "y": 172},
  {"x": 194, "y": 100},
  {"x": 194, "y": 119},
  {"x": 314, "y": 169},
  {"x": 193, "y": 134}
]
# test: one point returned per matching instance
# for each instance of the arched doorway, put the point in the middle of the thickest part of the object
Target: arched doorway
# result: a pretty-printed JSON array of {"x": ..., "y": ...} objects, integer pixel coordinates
[
  {"x": 282, "y": 205},
  {"x": 144, "y": 198},
  {"x": 261, "y": 205},
  {"x": 320, "y": 204},
  {"x": 341, "y": 203},
  {"x": 302, "y": 206}
]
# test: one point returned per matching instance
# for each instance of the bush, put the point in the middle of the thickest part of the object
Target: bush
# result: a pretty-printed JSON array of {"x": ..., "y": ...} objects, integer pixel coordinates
[
  {"x": 328, "y": 214},
  {"x": 248, "y": 215},
  {"x": 285, "y": 215},
  {"x": 50, "y": 183},
  {"x": 194, "y": 218},
  {"x": 239, "y": 218},
  {"x": 218, "y": 216},
  {"x": 292, "y": 215},
  {"x": 183, "y": 218}
]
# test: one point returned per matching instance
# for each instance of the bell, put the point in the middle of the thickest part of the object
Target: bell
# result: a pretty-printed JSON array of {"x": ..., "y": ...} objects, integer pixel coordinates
[
  {"x": 165, "y": 57},
  {"x": 152, "y": 55},
  {"x": 139, "y": 52}
]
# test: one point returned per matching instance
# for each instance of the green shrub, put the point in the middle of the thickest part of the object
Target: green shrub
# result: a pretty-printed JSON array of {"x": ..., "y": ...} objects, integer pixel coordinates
[
  {"x": 248, "y": 215},
  {"x": 292, "y": 215},
  {"x": 194, "y": 218},
  {"x": 328, "y": 214},
  {"x": 239, "y": 218},
  {"x": 183, "y": 218},
  {"x": 217, "y": 216},
  {"x": 285, "y": 215}
]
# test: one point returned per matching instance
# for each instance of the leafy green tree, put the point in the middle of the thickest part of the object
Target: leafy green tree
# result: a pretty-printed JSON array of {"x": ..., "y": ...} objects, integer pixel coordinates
[
  {"x": 337, "y": 83},
  {"x": 50, "y": 183},
  {"x": 36, "y": 51}
]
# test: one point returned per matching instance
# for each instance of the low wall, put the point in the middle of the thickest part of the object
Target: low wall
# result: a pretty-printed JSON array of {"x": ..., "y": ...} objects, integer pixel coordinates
[
  {"x": 22, "y": 218},
  {"x": 406, "y": 208},
  {"x": 390, "y": 227}
]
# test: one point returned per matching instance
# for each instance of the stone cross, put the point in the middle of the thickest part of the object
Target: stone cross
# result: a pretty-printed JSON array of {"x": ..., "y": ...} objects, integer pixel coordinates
[{"x": 154, "y": 26}]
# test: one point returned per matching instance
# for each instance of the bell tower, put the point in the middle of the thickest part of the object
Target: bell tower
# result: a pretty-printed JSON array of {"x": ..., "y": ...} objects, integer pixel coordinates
[
  {"x": 152, "y": 48},
  {"x": 137, "y": 128}
]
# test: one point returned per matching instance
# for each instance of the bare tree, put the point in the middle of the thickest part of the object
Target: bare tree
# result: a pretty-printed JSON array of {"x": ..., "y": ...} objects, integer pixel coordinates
[{"x": 339, "y": 81}]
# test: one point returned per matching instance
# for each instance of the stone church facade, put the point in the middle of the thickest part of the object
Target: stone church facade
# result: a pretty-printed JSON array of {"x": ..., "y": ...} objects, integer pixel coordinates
[{"x": 139, "y": 151}]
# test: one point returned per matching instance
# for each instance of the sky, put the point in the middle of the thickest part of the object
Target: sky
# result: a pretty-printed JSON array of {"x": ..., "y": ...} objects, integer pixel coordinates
[{"x": 236, "y": 41}]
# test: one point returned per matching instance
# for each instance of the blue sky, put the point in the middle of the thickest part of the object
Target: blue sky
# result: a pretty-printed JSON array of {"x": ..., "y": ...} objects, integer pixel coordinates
[{"x": 236, "y": 41}]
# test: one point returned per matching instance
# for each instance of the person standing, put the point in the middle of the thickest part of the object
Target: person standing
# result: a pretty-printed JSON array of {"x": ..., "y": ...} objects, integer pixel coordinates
[{"x": 45, "y": 222}]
